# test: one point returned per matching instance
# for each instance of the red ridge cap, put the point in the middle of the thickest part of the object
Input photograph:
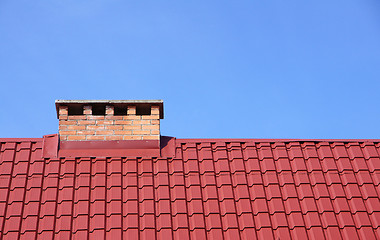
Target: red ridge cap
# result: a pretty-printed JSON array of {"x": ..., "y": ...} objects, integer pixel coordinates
[{"x": 50, "y": 146}]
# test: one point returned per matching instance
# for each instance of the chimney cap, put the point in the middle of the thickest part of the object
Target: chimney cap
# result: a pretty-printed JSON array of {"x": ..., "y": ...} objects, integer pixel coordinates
[{"x": 158, "y": 102}]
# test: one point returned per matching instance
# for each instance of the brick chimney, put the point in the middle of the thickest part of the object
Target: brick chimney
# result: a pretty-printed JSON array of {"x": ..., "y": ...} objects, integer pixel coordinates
[{"x": 102, "y": 120}]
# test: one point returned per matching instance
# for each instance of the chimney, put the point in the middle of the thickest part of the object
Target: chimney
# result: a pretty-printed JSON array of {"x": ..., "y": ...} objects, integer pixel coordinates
[{"x": 103, "y": 120}]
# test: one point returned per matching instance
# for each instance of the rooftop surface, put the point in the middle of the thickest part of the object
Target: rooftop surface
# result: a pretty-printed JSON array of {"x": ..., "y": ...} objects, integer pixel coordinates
[{"x": 210, "y": 188}]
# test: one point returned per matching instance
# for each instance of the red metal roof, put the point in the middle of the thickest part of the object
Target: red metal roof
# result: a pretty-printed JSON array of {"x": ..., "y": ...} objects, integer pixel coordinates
[{"x": 248, "y": 189}]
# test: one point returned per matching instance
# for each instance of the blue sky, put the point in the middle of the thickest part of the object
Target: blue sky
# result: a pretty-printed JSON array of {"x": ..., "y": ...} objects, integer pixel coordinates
[{"x": 225, "y": 69}]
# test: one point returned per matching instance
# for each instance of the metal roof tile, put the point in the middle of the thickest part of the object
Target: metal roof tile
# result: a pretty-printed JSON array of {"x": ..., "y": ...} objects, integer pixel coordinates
[
  {"x": 279, "y": 220},
  {"x": 265, "y": 233},
  {"x": 366, "y": 233},
  {"x": 131, "y": 221},
  {"x": 163, "y": 221},
  {"x": 299, "y": 233},
  {"x": 289, "y": 191},
  {"x": 375, "y": 219},
  {"x": 282, "y": 233},
  {"x": 350, "y": 233},
  {"x": 295, "y": 220},
  {"x": 292, "y": 205},
  {"x": 324, "y": 205},
  {"x": 312, "y": 220},
  {"x": 304, "y": 186},
  {"x": 195, "y": 207},
  {"x": 262, "y": 220},
  {"x": 256, "y": 191}
]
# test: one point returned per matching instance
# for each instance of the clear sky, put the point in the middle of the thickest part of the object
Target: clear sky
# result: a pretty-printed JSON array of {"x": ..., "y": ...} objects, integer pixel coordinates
[{"x": 225, "y": 69}]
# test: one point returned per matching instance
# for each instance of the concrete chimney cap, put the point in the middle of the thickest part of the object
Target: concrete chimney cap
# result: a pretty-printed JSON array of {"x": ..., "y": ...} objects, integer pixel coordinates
[{"x": 159, "y": 103}]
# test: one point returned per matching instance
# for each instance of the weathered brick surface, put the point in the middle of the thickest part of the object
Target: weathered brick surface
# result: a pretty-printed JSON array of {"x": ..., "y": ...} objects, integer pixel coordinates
[
  {"x": 76, "y": 137},
  {"x": 109, "y": 126},
  {"x": 76, "y": 117},
  {"x": 131, "y": 110},
  {"x": 87, "y": 110},
  {"x": 151, "y": 137},
  {"x": 132, "y": 127},
  {"x": 109, "y": 110},
  {"x": 132, "y": 137},
  {"x": 153, "y": 127},
  {"x": 92, "y": 137},
  {"x": 94, "y": 127},
  {"x": 111, "y": 117},
  {"x": 76, "y": 127},
  {"x": 115, "y": 137},
  {"x": 114, "y": 127}
]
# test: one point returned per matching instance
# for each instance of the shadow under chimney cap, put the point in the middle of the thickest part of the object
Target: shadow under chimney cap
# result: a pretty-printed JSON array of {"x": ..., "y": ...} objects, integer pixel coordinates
[{"x": 159, "y": 103}]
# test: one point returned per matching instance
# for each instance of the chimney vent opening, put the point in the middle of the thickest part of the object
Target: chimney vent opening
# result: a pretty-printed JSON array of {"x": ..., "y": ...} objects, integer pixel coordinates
[
  {"x": 120, "y": 110},
  {"x": 75, "y": 110},
  {"x": 143, "y": 109},
  {"x": 99, "y": 109}
]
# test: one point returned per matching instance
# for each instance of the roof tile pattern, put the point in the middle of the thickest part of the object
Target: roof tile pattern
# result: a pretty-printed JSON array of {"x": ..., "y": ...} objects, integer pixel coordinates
[{"x": 211, "y": 189}]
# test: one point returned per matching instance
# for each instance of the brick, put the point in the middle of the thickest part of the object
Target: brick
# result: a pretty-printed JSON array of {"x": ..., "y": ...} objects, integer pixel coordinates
[
  {"x": 113, "y": 117},
  {"x": 76, "y": 127},
  {"x": 67, "y": 122},
  {"x": 137, "y": 122},
  {"x": 123, "y": 122},
  {"x": 131, "y": 137},
  {"x": 132, "y": 127},
  {"x": 104, "y": 122},
  {"x": 131, "y": 110},
  {"x": 76, "y": 137},
  {"x": 151, "y": 137},
  {"x": 155, "y": 110},
  {"x": 87, "y": 110},
  {"x": 63, "y": 110},
  {"x": 92, "y": 117},
  {"x": 62, "y": 127},
  {"x": 86, "y": 122},
  {"x": 94, "y": 127},
  {"x": 63, "y": 138},
  {"x": 91, "y": 137},
  {"x": 114, "y": 137},
  {"x": 104, "y": 132},
  {"x": 141, "y": 132},
  {"x": 123, "y": 132},
  {"x": 150, "y": 116},
  {"x": 67, "y": 132},
  {"x": 76, "y": 117},
  {"x": 132, "y": 117},
  {"x": 155, "y": 132},
  {"x": 109, "y": 110},
  {"x": 154, "y": 122},
  {"x": 86, "y": 132},
  {"x": 62, "y": 117},
  {"x": 153, "y": 127},
  {"x": 113, "y": 127}
]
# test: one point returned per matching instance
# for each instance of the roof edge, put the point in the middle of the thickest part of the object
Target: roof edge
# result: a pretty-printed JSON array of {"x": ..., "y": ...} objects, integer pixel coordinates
[
  {"x": 21, "y": 139},
  {"x": 271, "y": 140},
  {"x": 182, "y": 140}
]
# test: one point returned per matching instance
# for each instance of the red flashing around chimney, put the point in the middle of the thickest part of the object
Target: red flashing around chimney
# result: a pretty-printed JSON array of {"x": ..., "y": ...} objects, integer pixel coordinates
[
  {"x": 50, "y": 145},
  {"x": 127, "y": 148},
  {"x": 53, "y": 148}
]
